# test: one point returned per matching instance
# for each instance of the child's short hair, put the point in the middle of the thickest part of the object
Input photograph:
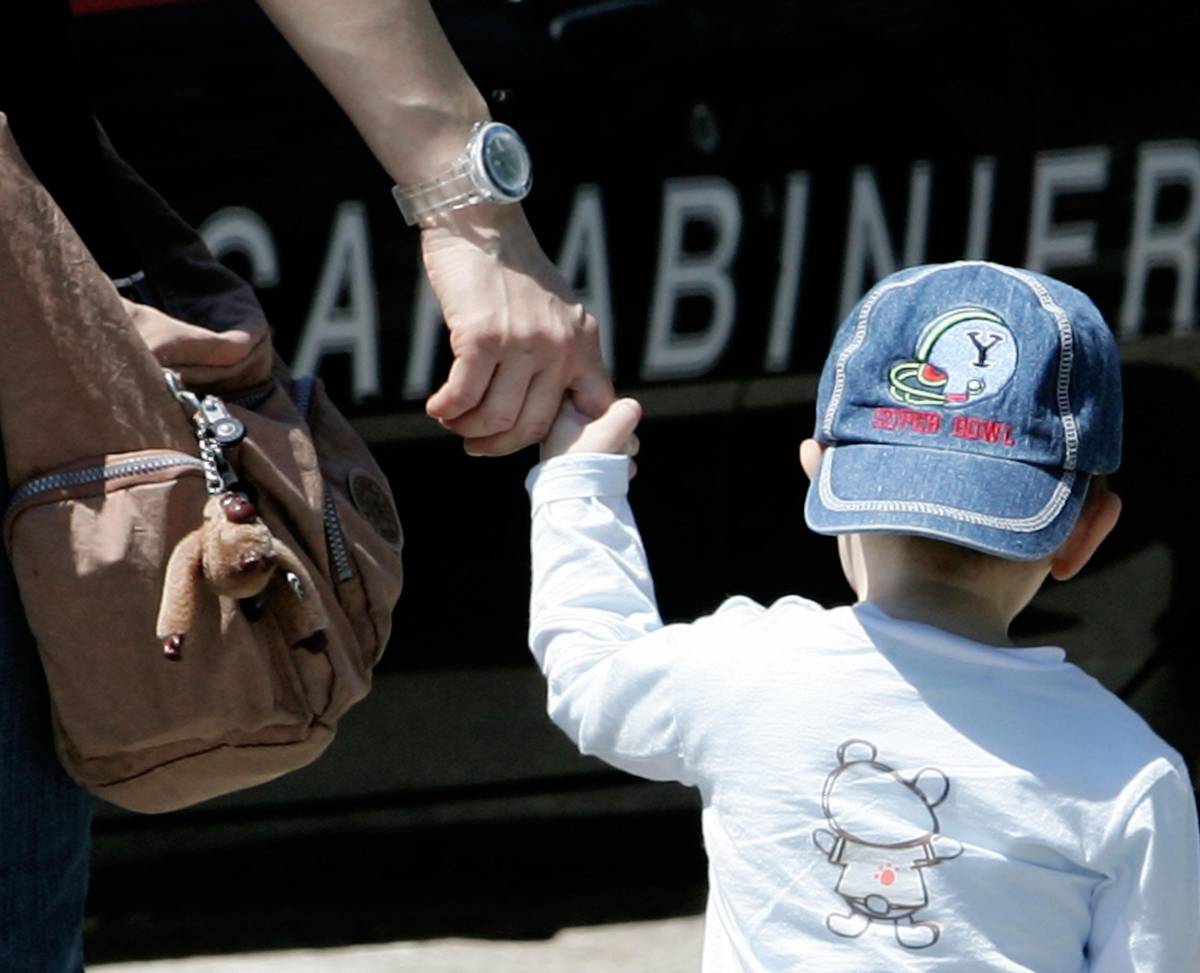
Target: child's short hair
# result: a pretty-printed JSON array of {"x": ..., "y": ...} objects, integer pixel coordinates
[{"x": 970, "y": 403}]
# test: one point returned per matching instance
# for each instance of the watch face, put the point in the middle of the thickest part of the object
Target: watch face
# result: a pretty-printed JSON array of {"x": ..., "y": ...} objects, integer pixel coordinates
[{"x": 506, "y": 161}]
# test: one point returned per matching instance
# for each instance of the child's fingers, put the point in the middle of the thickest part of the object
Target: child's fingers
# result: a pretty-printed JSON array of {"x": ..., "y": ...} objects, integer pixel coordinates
[
  {"x": 624, "y": 414},
  {"x": 612, "y": 432}
]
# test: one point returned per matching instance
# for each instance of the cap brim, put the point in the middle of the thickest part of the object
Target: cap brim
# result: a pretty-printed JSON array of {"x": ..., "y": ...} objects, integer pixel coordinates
[{"x": 999, "y": 506}]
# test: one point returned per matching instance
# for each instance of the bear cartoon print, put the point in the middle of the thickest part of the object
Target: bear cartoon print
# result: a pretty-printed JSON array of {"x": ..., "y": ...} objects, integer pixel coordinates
[{"x": 883, "y": 833}]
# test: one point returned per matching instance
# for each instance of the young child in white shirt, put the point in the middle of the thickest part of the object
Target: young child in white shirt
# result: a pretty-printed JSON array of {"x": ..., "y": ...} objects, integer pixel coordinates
[{"x": 894, "y": 785}]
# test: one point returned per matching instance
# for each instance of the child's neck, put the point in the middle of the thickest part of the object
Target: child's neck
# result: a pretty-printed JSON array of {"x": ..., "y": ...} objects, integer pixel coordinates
[
  {"x": 978, "y": 604},
  {"x": 951, "y": 608}
]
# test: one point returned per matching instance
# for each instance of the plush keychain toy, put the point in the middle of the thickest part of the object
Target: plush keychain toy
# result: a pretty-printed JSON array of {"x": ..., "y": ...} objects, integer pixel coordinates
[{"x": 234, "y": 553}]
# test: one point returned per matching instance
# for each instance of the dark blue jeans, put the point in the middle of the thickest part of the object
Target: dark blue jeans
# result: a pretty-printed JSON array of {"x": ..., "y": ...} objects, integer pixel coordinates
[{"x": 45, "y": 818}]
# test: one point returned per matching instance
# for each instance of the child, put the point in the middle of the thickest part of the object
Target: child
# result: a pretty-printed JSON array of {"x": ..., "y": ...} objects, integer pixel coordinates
[{"x": 893, "y": 785}]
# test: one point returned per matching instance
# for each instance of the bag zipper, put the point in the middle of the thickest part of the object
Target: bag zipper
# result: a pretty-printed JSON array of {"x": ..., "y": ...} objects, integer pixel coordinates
[
  {"x": 303, "y": 394},
  {"x": 336, "y": 541},
  {"x": 100, "y": 474},
  {"x": 252, "y": 400},
  {"x": 303, "y": 389}
]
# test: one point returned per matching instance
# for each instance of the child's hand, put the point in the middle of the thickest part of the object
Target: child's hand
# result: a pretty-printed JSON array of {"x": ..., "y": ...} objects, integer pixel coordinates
[{"x": 573, "y": 432}]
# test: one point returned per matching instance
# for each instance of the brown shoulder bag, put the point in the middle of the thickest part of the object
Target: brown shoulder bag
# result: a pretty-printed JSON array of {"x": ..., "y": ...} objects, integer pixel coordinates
[{"x": 208, "y": 556}]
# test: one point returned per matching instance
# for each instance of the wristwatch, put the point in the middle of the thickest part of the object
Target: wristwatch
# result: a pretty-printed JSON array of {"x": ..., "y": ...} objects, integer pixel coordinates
[{"x": 494, "y": 168}]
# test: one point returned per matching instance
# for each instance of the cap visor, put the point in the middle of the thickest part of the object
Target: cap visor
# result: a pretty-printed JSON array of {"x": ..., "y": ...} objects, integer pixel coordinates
[{"x": 1010, "y": 509}]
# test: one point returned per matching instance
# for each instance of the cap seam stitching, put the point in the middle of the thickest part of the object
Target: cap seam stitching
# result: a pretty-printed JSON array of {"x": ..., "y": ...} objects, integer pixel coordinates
[{"x": 1031, "y": 524}]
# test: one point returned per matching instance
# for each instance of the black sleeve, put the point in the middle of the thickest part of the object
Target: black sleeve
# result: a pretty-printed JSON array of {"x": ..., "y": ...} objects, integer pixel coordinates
[{"x": 43, "y": 90}]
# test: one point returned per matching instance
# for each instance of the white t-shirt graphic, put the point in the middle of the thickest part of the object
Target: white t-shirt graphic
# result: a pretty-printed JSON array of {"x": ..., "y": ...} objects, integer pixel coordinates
[{"x": 870, "y": 874}]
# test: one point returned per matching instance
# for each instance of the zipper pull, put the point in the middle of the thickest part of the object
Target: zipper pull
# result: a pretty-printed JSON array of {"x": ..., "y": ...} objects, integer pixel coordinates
[
  {"x": 223, "y": 427},
  {"x": 216, "y": 431}
]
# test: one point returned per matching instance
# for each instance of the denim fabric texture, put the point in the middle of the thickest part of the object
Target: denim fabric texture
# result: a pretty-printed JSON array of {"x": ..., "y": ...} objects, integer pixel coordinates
[
  {"x": 968, "y": 402},
  {"x": 45, "y": 818}
]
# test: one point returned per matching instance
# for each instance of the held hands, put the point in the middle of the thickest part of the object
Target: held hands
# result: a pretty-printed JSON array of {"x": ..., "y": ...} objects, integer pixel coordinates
[
  {"x": 613, "y": 432},
  {"x": 520, "y": 340}
]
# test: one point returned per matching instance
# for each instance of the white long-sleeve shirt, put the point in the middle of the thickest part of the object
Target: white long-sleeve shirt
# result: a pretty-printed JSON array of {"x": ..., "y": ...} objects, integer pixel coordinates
[{"x": 878, "y": 794}]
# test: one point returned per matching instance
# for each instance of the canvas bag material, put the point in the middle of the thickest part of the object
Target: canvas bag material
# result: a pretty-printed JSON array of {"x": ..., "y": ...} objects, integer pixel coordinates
[{"x": 102, "y": 467}]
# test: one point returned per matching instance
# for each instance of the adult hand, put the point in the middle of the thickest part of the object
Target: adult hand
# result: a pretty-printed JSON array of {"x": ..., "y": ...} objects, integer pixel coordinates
[
  {"x": 519, "y": 337},
  {"x": 612, "y": 432}
]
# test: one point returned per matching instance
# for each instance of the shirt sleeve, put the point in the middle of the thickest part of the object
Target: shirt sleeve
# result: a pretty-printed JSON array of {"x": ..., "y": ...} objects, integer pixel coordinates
[
  {"x": 594, "y": 626},
  {"x": 1146, "y": 915}
]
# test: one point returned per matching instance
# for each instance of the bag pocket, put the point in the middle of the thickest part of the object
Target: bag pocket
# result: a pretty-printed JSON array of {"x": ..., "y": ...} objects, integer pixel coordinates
[
  {"x": 88, "y": 546},
  {"x": 362, "y": 526}
]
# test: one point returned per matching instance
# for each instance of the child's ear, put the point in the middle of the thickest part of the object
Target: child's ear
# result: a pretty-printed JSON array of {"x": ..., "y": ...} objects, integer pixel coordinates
[
  {"x": 811, "y": 452},
  {"x": 1096, "y": 520}
]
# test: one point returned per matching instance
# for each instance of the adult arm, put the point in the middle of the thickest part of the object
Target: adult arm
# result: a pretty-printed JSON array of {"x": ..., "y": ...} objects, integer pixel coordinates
[{"x": 519, "y": 337}]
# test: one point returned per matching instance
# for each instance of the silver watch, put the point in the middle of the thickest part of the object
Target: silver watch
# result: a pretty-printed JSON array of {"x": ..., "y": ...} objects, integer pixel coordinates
[{"x": 494, "y": 168}]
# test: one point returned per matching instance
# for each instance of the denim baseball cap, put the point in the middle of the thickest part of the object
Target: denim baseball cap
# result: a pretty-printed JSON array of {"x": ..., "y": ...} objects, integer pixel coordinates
[{"x": 968, "y": 402}]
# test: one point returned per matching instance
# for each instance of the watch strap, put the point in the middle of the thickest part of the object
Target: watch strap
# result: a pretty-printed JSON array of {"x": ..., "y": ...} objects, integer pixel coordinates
[{"x": 454, "y": 189}]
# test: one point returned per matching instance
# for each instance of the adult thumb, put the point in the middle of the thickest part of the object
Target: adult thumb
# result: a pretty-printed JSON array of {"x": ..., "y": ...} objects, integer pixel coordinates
[{"x": 592, "y": 392}]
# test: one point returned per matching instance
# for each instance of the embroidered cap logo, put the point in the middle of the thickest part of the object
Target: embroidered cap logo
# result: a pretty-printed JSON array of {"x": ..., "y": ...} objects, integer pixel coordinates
[{"x": 962, "y": 356}]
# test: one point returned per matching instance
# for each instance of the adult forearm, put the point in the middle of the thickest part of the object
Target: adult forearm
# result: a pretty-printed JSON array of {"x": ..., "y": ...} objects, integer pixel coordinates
[
  {"x": 392, "y": 70},
  {"x": 520, "y": 338}
]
